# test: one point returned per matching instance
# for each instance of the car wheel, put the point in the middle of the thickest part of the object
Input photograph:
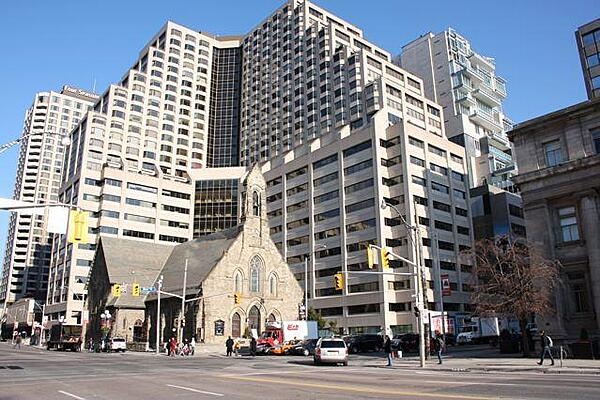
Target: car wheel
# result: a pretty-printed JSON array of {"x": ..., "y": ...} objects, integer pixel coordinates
[
  {"x": 354, "y": 349},
  {"x": 306, "y": 352}
]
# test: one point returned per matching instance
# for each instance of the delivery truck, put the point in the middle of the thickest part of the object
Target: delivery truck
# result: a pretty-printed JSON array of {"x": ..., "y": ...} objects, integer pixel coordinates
[
  {"x": 479, "y": 330},
  {"x": 277, "y": 333},
  {"x": 65, "y": 337}
]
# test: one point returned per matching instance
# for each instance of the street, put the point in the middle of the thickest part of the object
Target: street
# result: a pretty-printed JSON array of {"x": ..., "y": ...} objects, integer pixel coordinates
[{"x": 32, "y": 373}]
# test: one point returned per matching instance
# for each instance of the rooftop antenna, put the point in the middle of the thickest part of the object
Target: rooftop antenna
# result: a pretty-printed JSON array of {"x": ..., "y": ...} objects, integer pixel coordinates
[{"x": 94, "y": 86}]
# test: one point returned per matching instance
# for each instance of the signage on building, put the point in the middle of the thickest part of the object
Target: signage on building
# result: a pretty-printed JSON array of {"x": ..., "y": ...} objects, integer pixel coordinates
[{"x": 446, "y": 291}]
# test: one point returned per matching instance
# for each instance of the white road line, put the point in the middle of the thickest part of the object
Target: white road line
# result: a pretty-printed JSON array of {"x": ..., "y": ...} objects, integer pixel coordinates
[
  {"x": 196, "y": 390},
  {"x": 71, "y": 395}
]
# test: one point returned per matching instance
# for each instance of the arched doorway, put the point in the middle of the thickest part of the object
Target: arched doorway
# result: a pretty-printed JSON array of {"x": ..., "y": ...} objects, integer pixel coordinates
[
  {"x": 236, "y": 325},
  {"x": 254, "y": 319},
  {"x": 138, "y": 331}
]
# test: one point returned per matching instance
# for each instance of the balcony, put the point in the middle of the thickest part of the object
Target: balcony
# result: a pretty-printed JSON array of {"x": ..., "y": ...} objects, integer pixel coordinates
[
  {"x": 487, "y": 96},
  {"x": 485, "y": 119}
]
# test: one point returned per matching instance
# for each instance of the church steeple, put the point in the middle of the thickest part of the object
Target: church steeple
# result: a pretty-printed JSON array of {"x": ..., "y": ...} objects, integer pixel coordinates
[{"x": 254, "y": 213}]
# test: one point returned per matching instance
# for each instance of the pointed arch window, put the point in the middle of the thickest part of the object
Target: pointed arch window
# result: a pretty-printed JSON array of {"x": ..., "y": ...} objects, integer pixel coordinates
[
  {"x": 273, "y": 285},
  {"x": 255, "y": 204},
  {"x": 237, "y": 282},
  {"x": 255, "y": 267}
]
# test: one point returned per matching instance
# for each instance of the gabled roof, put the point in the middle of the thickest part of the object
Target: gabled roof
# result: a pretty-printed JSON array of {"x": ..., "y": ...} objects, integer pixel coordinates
[
  {"x": 202, "y": 254},
  {"x": 132, "y": 261}
]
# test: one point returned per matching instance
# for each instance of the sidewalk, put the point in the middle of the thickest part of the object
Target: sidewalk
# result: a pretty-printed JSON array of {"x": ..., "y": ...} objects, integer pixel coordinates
[{"x": 503, "y": 364}]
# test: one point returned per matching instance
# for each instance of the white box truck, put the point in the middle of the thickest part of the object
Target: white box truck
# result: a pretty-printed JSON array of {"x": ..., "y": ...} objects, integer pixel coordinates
[{"x": 479, "y": 330}]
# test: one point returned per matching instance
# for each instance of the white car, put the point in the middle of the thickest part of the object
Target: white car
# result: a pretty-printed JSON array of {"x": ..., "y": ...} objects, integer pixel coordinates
[
  {"x": 331, "y": 350},
  {"x": 117, "y": 344}
]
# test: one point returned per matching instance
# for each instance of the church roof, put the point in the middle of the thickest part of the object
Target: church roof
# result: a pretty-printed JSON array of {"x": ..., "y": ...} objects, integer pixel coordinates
[
  {"x": 132, "y": 261},
  {"x": 202, "y": 254}
]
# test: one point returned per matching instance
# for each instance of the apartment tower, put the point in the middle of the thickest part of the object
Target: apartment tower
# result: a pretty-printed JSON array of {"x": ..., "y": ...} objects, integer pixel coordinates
[{"x": 27, "y": 255}]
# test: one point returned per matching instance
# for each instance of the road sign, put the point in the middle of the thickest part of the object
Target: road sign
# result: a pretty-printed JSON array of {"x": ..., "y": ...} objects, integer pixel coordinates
[{"x": 446, "y": 291}]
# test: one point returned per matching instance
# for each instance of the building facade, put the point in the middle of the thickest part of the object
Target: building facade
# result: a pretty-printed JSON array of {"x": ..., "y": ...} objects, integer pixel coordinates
[
  {"x": 466, "y": 85},
  {"x": 588, "y": 44},
  {"x": 496, "y": 212},
  {"x": 559, "y": 179},
  {"x": 27, "y": 255},
  {"x": 324, "y": 204}
]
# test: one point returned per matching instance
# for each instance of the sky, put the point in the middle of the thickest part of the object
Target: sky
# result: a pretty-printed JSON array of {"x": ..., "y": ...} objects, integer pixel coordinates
[{"x": 91, "y": 44}]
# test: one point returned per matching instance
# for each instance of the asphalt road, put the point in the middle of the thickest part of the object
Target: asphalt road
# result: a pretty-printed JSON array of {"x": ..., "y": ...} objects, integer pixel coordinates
[{"x": 32, "y": 373}]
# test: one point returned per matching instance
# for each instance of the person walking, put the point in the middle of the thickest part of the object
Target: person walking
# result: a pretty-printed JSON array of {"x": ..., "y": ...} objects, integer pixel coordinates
[
  {"x": 253, "y": 346},
  {"x": 229, "y": 346},
  {"x": 547, "y": 344},
  {"x": 18, "y": 340},
  {"x": 173, "y": 347},
  {"x": 387, "y": 347},
  {"x": 439, "y": 346}
]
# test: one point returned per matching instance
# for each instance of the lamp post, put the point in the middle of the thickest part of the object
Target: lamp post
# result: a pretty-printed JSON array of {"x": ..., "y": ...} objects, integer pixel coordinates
[
  {"x": 158, "y": 289},
  {"x": 105, "y": 322},
  {"x": 417, "y": 245},
  {"x": 65, "y": 140},
  {"x": 61, "y": 321},
  {"x": 319, "y": 246}
]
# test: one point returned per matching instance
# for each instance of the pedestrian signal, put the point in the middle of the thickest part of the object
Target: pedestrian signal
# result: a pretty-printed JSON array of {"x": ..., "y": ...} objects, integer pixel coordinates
[
  {"x": 385, "y": 261},
  {"x": 135, "y": 289},
  {"x": 338, "y": 280},
  {"x": 370, "y": 257},
  {"x": 78, "y": 227},
  {"x": 116, "y": 290}
]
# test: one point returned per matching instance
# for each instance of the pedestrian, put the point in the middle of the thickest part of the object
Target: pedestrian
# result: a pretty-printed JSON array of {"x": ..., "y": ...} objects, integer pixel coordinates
[
  {"x": 173, "y": 347},
  {"x": 236, "y": 347},
  {"x": 439, "y": 345},
  {"x": 193, "y": 345},
  {"x": 18, "y": 340},
  {"x": 547, "y": 344},
  {"x": 253, "y": 346},
  {"x": 229, "y": 346},
  {"x": 387, "y": 346}
]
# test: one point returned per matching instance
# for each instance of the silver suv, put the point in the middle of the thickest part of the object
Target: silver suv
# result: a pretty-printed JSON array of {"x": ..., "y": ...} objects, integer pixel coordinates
[{"x": 331, "y": 350}]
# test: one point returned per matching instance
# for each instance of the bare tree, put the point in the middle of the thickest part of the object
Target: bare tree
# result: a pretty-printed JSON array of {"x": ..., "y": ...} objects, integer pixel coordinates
[{"x": 512, "y": 279}]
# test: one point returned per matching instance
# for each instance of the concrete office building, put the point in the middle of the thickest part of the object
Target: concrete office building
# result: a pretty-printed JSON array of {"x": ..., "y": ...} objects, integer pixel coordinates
[
  {"x": 326, "y": 203},
  {"x": 588, "y": 44},
  {"x": 465, "y": 83},
  {"x": 559, "y": 179},
  {"x": 496, "y": 212},
  {"x": 27, "y": 255}
]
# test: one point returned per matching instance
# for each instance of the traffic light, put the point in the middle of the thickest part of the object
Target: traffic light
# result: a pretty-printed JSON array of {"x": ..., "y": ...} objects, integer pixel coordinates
[
  {"x": 338, "y": 280},
  {"x": 135, "y": 289},
  {"x": 370, "y": 257},
  {"x": 116, "y": 290},
  {"x": 417, "y": 312},
  {"x": 385, "y": 262},
  {"x": 78, "y": 227},
  {"x": 183, "y": 322},
  {"x": 236, "y": 298}
]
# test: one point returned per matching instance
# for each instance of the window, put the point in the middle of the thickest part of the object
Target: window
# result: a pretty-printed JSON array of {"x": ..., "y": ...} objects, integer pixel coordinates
[
  {"x": 568, "y": 224},
  {"x": 255, "y": 267},
  {"x": 416, "y": 142},
  {"x": 325, "y": 161},
  {"x": 596, "y": 140},
  {"x": 438, "y": 187},
  {"x": 255, "y": 204},
  {"x": 419, "y": 181},
  {"x": 417, "y": 161},
  {"x": 552, "y": 152},
  {"x": 273, "y": 285}
]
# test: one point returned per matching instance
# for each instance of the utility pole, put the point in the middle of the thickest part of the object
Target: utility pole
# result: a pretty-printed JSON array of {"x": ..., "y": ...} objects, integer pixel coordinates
[
  {"x": 158, "y": 289},
  {"x": 420, "y": 294},
  {"x": 182, "y": 311}
]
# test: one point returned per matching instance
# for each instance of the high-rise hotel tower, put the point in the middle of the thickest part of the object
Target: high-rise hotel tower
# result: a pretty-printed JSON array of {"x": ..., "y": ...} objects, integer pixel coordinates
[{"x": 27, "y": 256}]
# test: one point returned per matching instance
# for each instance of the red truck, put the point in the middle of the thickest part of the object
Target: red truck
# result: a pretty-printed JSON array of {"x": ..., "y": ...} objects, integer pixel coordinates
[{"x": 277, "y": 333}]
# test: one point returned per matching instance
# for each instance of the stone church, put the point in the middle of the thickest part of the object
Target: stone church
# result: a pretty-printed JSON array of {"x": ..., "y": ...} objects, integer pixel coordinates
[{"x": 235, "y": 281}]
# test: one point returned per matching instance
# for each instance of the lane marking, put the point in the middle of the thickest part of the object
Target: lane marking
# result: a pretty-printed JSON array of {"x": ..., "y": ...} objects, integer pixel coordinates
[
  {"x": 196, "y": 390},
  {"x": 71, "y": 395},
  {"x": 392, "y": 392}
]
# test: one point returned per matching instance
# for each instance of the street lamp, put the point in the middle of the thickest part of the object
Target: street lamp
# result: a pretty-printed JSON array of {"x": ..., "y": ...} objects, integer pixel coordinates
[
  {"x": 105, "y": 323},
  {"x": 417, "y": 246},
  {"x": 61, "y": 321},
  {"x": 65, "y": 140},
  {"x": 319, "y": 246}
]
